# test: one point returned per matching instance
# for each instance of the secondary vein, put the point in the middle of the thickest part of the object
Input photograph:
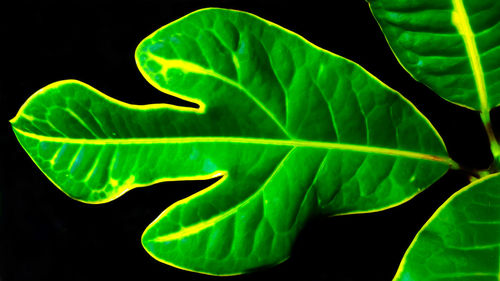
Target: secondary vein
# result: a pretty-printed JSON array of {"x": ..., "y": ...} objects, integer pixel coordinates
[
  {"x": 193, "y": 229},
  {"x": 194, "y": 68}
]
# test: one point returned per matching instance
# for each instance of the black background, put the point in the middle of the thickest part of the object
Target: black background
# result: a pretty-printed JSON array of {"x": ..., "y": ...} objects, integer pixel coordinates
[{"x": 47, "y": 236}]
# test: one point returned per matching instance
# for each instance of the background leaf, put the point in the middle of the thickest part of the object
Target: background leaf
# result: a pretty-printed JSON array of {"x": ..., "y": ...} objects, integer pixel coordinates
[
  {"x": 451, "y": 46},
  {"x": 461, "y": 240}
]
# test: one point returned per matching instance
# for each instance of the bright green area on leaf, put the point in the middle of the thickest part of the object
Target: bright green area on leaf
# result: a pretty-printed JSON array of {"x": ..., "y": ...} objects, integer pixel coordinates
[
  {"x": 452, "y": 46},
  {"x": 462, "y": 239},
  {"x": 294, "y": 130}
]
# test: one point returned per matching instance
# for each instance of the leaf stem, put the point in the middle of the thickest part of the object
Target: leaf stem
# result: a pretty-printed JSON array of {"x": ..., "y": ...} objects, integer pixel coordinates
[
  {"x": 455, "y": 166},
  {"x": 474, "y": 174},
  {"x": 494, "y": 146}
]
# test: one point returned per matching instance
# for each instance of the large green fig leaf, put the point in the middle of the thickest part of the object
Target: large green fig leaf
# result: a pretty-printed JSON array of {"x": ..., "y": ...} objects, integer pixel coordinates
[
  {"x": 294, "y": 131},
  {"x": 453, "y": 46},
  {"x": 461, "y": 241}
]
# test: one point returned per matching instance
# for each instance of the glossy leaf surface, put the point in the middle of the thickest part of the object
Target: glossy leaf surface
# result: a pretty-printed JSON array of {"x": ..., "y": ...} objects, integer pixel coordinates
[
  {"x": 461, "y": 241},
  {"x": 295, "y": 131},
  {"x": 452, "y": 46}
]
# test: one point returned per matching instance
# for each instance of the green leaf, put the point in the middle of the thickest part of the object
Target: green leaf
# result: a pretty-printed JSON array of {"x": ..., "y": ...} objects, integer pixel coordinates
[
  {"x": 295, "y": 132},
  {"x": 452, "y": 46},
  {"x": 461, "y": 241}
]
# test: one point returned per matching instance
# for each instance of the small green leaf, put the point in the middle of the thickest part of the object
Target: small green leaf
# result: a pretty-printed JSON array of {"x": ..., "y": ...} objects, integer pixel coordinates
[
  {"x": 452, "y": 46},
  {"x": 461, "y": 241},
  {"x": 294, "y": 131}
]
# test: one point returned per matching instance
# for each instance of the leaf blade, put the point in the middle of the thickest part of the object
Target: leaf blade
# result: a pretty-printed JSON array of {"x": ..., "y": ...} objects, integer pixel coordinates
[
  {"x": 173, "y": 38},
  {"x": 354, "y": 144}
]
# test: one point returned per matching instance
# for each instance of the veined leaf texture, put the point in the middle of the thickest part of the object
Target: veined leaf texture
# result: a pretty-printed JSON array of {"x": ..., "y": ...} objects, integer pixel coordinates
[
  {"x": 452, "y": 46},
  {"x": 461, "y": 241},
  {"x": 295, "y": 132}
]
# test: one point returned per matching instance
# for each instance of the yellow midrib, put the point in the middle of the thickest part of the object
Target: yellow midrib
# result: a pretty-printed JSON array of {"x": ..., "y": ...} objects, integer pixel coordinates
[
  {"x": 243, "y": 140},
  {"x": 461, "y": 22}
]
